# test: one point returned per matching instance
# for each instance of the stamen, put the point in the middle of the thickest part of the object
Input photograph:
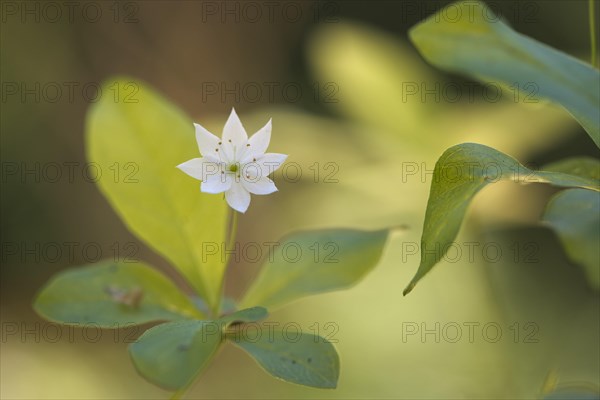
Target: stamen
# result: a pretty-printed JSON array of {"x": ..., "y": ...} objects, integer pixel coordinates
[{"x": 219, "y": 153}]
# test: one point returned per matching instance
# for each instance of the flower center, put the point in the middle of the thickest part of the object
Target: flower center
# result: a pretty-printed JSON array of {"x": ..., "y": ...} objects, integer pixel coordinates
[{"x": 233, "y": 167}]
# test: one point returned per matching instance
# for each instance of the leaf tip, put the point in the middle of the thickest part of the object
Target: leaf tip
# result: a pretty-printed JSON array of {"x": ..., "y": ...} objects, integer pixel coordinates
[{"x": 330, "y": 385}]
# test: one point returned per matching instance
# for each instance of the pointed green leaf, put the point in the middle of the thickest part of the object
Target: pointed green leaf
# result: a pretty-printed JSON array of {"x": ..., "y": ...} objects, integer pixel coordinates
[
  {"x": 460, "y": 173},
  {"x": 137, "y": 140},
  {"x": 171, "y": 355},
  {"x": 575, "y": 217},
  {"x": 300, "y": 358},
  {"x": 248, "y": 315},
  {"x": 112, "y": 295},
  {"x": 314, "y": 262},
  {"x": 478, "y": 43}
]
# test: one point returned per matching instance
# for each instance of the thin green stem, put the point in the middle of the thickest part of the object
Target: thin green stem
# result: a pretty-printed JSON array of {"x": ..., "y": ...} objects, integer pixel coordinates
[
  {"x": 231, "y": 234},
  {"x": 232, "y": 231},
  {"x": 592, "y": 13}
]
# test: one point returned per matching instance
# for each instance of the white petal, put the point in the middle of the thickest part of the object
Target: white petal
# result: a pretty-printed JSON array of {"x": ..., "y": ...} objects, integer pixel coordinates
[
  {"x": 207, "y": 142},
  {"x": 261, "y": 186},
  {"x": 257, "y": 144},
  {"x": 238, "y": 197},
  {"x": 201, "y": 168},
  {"x": 234, "y": 135},
  {"x": 192, "y": 167},
  {"x": 228, "y": 152},
  {"x": 269, "y": 162},
  {"x": 217, "y": 183}
]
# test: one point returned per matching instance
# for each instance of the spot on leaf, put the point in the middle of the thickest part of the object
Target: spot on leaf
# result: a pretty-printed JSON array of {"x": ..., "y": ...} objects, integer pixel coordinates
[{"x": 131, "y": 297}]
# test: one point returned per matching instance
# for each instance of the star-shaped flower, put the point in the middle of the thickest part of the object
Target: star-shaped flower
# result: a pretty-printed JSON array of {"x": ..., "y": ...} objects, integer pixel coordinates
[{"x": 234, "y": 164}]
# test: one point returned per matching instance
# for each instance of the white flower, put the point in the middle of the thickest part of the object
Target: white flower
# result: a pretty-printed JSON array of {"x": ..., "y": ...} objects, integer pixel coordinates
[{"x": 234, "y": 164}]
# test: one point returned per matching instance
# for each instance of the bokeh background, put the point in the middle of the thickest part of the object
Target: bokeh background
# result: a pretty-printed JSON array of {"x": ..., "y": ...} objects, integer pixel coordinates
[{"x": 352, "y": 61}]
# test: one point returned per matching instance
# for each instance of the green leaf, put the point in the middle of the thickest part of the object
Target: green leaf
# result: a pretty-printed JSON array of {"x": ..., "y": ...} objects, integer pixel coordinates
[
  {"x": 243, "y": 316},
  {"x": 312, "y": 262},
  {"x": 137, "y": 146},
  {"x": 460, "y": 173},
  {"x": 300, "y": 358},
  {"x": 478, "y": 43},
  {"x": 575, "y": 217},
  {"x": 171, "y": 355},
  {"x": 586, "y": 167},
  {"x": 113, "y": 295}
]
